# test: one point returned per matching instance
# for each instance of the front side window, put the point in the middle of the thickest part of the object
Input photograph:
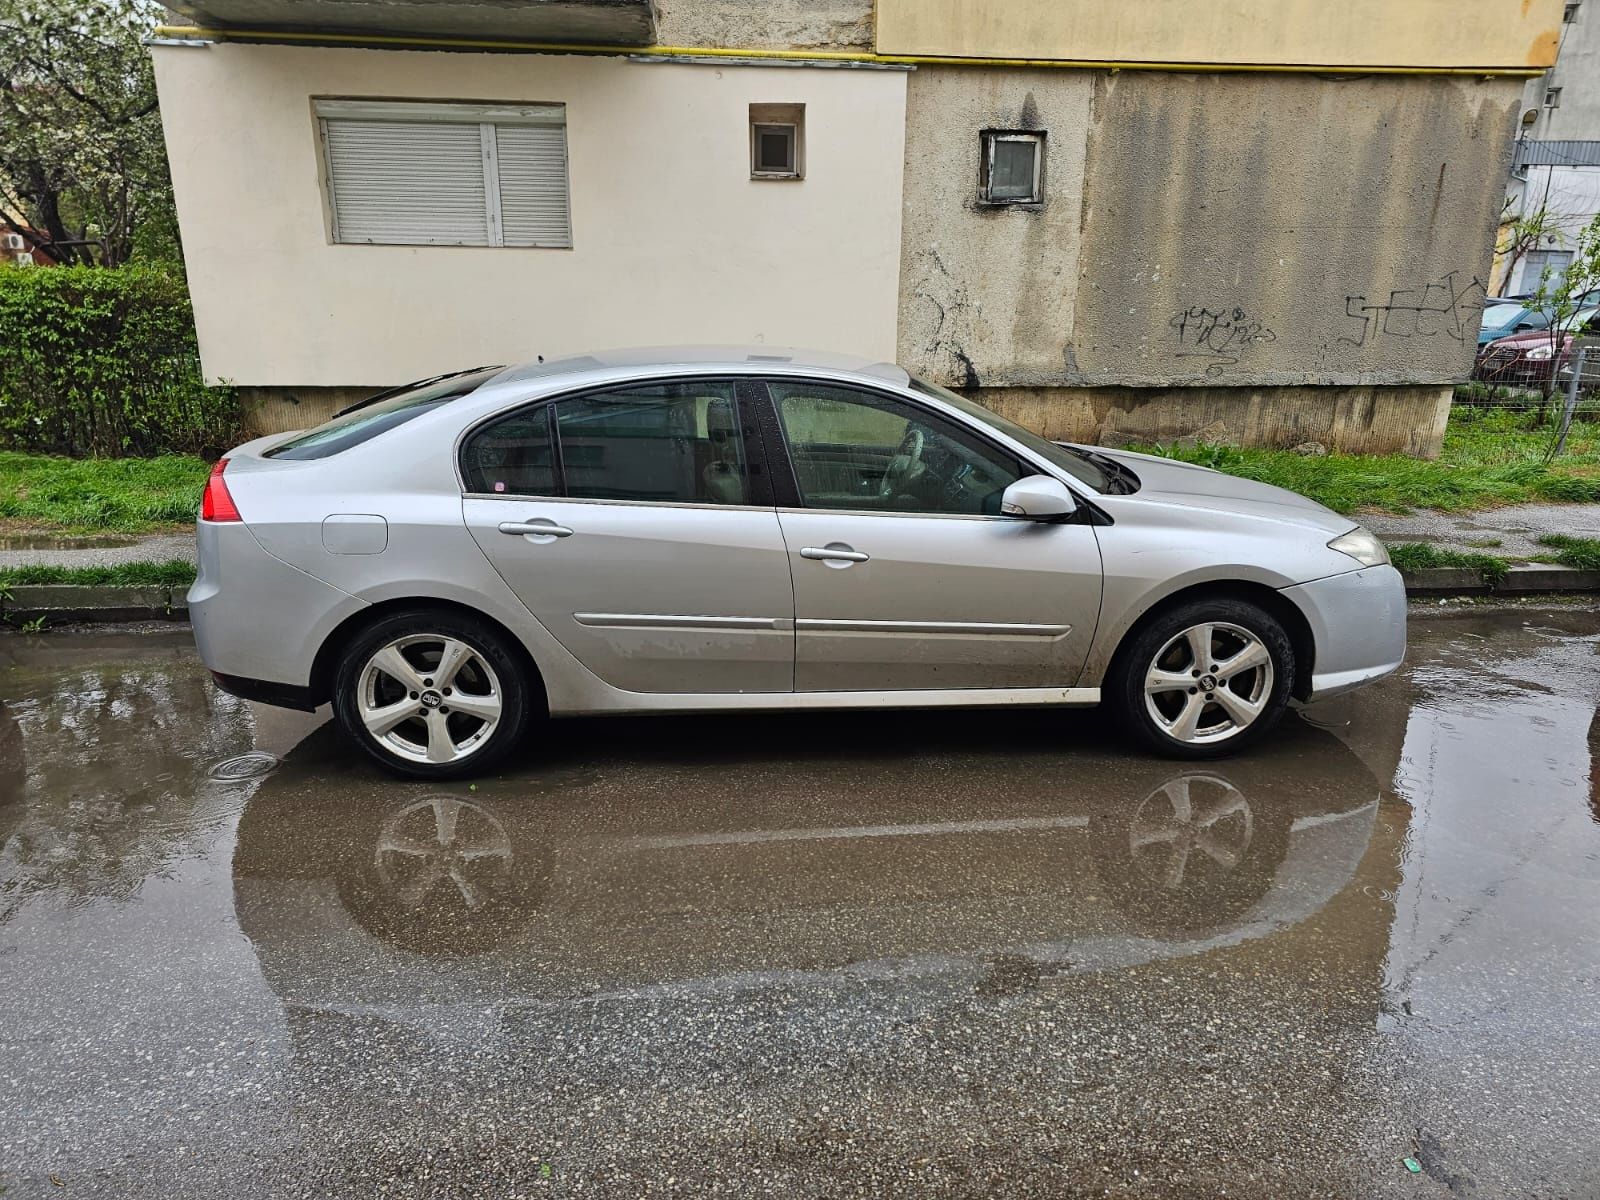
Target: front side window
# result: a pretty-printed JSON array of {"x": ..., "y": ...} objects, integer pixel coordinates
[
  {"x": 859, "y": 450},
  {"x": 1076, "y": 463},
  {"x": 446, "y": 174}
]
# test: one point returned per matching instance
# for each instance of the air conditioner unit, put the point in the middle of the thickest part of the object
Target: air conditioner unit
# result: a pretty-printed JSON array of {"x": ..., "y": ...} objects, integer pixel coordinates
[
  {"x": 25, "y": 258},
  {"x": 15, "y": 241}
]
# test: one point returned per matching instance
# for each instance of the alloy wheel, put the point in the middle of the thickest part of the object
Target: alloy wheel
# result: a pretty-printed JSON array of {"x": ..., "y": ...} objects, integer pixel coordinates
[
  {"x": 429, "y": 698},
  {"x": 1209, "y": 683}
]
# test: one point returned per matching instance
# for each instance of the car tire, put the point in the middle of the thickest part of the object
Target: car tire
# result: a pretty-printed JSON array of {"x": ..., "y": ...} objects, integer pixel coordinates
[
  {"x": 1182, "y": 707},
  {"x": 469, "y": 711}
]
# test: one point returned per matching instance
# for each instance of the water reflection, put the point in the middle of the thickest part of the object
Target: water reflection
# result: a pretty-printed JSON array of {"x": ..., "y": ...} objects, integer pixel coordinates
[
  {"x": 675, "y": 867},
  {"x": 102, "y": 778}
]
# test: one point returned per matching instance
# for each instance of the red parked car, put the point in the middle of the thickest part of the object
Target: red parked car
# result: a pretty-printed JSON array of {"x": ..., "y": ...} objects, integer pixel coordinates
[{"x": 1524, "y": 359}]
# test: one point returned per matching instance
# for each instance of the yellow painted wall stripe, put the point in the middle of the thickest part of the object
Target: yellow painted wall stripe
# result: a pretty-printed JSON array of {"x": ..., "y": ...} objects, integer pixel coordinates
[{"x": 419, "y": 42}]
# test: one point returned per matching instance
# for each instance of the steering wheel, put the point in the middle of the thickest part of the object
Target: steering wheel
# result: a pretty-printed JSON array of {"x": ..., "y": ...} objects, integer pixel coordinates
[{"x": 906, "y": 465}]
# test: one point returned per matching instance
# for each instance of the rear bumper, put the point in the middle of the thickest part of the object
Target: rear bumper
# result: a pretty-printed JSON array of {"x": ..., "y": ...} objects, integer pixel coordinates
[
  {"x": 280, "y": 695},
  {"x": 258, "y": 622},
  {"x": 1358, "y": 622}
]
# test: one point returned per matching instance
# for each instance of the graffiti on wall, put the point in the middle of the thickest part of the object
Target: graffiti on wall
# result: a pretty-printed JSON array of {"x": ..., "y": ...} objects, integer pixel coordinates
[
  {"x": 1444, "y": 306},
  {"x": 1220, "y": 335}
]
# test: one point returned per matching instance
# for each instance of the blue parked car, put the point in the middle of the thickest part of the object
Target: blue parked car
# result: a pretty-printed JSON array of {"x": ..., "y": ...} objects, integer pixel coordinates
[
  {"x": 1502, "y": 320},
  {"x": 1505, "y": 315}
]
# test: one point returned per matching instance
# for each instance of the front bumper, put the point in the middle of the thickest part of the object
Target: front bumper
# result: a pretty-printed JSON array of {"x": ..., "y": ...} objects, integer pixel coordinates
[{"x": 1358, "y": 623}]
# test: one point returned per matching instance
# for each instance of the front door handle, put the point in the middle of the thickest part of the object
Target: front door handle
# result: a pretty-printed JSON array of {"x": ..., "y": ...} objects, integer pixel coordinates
[
  {"x": 542, "y": 527},
  {"x": 833, "y": 553}
]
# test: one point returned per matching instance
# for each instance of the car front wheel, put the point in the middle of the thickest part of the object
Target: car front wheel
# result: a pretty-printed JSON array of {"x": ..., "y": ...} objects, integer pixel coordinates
[
  {"x": 1205, "y": 679},
  {"x": 432, "y": 695}
]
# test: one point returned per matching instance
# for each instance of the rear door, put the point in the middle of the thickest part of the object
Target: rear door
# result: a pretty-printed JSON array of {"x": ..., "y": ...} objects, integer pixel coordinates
[
  {"x": 637, "y": 524},
  {"x": 906, "y": 576}
]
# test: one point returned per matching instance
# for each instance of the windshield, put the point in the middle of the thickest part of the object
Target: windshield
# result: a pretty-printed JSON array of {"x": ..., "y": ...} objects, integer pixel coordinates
[
  {"x": 1074, "y": 462},
  {"x": 366, "y": 421}
]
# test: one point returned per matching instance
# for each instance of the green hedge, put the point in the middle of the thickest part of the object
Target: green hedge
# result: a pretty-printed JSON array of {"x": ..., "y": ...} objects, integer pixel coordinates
[{"x": 102, "y": 362}]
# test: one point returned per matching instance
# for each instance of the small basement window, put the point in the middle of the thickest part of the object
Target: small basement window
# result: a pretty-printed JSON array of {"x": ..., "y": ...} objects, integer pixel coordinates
[
  {"x": 777, "y": 141},
  {"x": 1012, "y": 170}
]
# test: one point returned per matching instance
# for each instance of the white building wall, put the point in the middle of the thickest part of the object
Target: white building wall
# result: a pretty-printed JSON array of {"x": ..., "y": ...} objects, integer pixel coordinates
[
  {"x": 1571, "y": 194},
  {"x": 672, "y": 240}
]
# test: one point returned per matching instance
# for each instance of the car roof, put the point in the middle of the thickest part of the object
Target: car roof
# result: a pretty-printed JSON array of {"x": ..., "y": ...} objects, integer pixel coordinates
[{"x": 741, "y": 359}]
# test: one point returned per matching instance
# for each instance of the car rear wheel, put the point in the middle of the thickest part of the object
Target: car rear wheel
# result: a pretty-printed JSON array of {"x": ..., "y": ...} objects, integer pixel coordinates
[
  {"x": 432, "y": 695},
  {"x": 1204, "y": 680}
]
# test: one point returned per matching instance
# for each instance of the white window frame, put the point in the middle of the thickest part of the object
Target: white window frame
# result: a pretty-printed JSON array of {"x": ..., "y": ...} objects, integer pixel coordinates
[
  {"x": 990, "y": 139},
  {"x": 485, "y": 116},
  {"x": 792, "y": 171}
]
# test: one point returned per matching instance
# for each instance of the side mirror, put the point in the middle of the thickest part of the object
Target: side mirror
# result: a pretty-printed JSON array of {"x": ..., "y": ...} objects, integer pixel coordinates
[{"x": 1038, "y": 498}]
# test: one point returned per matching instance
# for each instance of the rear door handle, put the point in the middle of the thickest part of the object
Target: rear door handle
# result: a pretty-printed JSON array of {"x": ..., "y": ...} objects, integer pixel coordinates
[
  {"x": 832, "y": 554},
  {"x": 541, "y": 527}
]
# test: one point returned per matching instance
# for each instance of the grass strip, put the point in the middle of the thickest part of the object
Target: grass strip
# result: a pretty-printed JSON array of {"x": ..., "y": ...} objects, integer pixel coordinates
[
  {"x": 172, "y": 574},
  {"x": 1580, "y": 552},
  {"x": 1421, "y": 556},
  {"x": 1490, "y": 458},
  {"x": 116, "y": 495}
]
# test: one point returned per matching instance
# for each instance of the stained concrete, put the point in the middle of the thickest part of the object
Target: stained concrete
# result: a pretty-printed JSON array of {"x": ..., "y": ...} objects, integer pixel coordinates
[
  {"x": 1286, "y": 230},
  {"x": 766, "y": 24},
  {"x": 1250, "y": 237},
  {"x": 988, "y": 294},
  {"x": 1365, "y": 420},
  {"x": 943, "y": 954}
]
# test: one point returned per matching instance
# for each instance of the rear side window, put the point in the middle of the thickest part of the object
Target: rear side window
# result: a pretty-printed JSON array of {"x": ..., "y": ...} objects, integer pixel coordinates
[
  {"x": 673, "y": 442},
  {"x": 367, "y": 421}
]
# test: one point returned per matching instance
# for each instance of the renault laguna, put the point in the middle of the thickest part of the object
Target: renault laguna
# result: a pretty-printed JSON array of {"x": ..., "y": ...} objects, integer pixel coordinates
[{"x": 706, "y": 530}]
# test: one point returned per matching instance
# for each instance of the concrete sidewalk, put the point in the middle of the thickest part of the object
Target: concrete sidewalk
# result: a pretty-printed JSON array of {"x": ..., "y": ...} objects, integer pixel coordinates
[
  {"x": 94, "y": 550},
  {"x": 1509, "y": 533}
]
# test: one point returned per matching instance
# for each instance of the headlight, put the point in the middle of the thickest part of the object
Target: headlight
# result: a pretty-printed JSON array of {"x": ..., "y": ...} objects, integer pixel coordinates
[
  {"x": 1542, "y": 353},
  {"x": 1361, "y": 546}
]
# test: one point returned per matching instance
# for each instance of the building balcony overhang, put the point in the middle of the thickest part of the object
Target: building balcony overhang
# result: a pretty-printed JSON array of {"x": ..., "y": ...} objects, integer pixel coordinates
[{"x": 609, "y": 22}]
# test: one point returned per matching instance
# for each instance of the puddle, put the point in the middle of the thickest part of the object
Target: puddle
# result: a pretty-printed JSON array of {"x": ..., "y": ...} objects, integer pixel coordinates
[
  {"x": 245, "y": 766},
  {"x": 55, "y": 541}
]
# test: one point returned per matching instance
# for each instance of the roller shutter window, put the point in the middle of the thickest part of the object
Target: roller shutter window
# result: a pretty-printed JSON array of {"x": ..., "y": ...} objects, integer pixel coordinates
[{"x": 446, "y": 174}]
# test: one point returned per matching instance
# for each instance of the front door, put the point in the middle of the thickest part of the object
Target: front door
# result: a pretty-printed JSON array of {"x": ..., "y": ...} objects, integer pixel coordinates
[
  {"x": 637, "y": 526},
  {"x": 906, "y": 576}
]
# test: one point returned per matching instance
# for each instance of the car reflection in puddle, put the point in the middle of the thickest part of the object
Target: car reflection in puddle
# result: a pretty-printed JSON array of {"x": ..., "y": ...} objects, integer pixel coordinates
[{"x": 665, "y": 874}]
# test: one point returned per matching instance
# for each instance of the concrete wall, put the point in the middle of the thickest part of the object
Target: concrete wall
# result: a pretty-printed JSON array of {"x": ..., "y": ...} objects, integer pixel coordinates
[
  {"x": 1345, "y": 420},
  {"x": 1453, "y": 33},
  {"x": 777, "y": 24},
  {"x": 1285, "y": 230},
  {"x": 672, "y": 241},
  {"x": 1206, "y": 230},
  {"x": 988, "y": 295}
]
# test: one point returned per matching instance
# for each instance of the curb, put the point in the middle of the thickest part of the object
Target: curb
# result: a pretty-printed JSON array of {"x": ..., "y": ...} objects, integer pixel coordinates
[
  {"x": 59, "y": 603},
  {"x": 1529, "y": 579}
]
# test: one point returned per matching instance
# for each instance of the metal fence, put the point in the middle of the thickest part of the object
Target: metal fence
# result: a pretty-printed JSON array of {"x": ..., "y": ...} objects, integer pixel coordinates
[{"x": 1558, "y": 379}]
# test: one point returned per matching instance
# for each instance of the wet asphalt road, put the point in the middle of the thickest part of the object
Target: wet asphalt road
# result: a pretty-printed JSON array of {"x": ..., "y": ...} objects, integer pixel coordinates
[{"x": 948, "y": 954}]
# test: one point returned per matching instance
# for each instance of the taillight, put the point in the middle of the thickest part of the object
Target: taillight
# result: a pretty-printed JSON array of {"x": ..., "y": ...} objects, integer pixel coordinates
[{"x": 217, "y": 504}]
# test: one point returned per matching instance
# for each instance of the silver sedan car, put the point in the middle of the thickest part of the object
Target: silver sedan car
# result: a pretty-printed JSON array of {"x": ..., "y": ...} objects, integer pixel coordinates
[{"x": 723, "y": 529}]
